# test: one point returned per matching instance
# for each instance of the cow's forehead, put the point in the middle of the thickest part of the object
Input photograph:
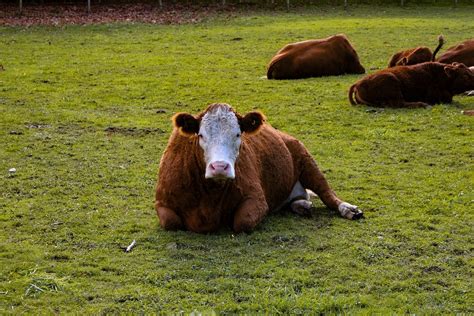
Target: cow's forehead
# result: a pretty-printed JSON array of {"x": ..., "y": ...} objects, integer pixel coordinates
[{"x": 220, "y": 119}]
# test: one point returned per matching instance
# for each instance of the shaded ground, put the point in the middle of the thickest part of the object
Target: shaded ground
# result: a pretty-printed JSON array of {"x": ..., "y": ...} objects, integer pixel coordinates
[{"x": 74, "y": 14}]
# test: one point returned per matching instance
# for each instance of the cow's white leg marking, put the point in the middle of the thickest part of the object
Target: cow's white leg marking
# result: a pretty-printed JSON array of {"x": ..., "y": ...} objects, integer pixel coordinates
[
  {"x": 349, "y": 211},
  {"x": 311, "y": 194}
]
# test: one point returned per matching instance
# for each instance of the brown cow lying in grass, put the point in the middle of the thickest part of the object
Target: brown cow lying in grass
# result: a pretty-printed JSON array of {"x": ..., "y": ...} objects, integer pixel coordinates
[
  {"x": 461, "y": 53},
  {"x": 415, "y": 55},
  {"x": 413, "y": 86},
  {"x": 223, "y": 169},
  {"x": 331, "y": 56}
]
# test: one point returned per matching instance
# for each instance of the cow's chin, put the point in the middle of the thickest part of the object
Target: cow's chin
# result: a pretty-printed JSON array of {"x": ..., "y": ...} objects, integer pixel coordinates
[{"x": 220, "y": 176}]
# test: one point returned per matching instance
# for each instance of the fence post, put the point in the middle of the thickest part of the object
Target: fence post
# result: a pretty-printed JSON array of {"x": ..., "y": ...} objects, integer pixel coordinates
[
  {"x": 287, "y": 5},
  {"x": 21, "y": 6},
  {"x": 160, "y": 3},
  {"x": 345, "y": 4},
  {"x": 402, "y": 2},
  {"x": 88, "y": 6},
  {"x": 455, "y": 3}
]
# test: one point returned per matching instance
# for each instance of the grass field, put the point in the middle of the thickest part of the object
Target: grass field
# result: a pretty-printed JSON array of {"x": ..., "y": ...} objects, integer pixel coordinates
[{"x": 85, "y": 116}]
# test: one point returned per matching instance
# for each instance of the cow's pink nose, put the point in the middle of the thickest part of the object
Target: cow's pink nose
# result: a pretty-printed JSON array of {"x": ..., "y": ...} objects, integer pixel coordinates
[{"x": 219, "y": 168}]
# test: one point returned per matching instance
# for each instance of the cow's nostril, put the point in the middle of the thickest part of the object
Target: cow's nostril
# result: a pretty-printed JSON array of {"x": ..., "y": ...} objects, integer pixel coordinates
[
  {"x": 226, "y": 167},
  {"x": 212, "y": 167}
]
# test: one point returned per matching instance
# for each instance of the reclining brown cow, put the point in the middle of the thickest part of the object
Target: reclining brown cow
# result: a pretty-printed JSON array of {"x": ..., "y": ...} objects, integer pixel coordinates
[
  {"x": 331, "y": 56},
  {"x": 413, "y": 86},
  {"x": 415, "y": 55},
  {"x": 223, "y": 169},
  {"x": 461, "y": 53}
]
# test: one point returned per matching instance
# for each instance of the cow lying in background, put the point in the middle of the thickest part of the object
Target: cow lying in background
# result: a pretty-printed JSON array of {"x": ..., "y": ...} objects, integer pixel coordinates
[
  {"x": 223, "y": 169},
  {"x": 315, "y": 58},
  {"x": 415, "y": 55},
  {"x": 461, "y": 53},
  {"x": 413, "y": 86}
]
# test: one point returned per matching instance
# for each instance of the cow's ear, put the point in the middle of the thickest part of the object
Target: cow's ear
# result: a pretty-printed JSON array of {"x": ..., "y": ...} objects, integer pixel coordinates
[
  {"x": 186, "y": 123},
  {"x": 450, "y": 71},
  {"x": 251, "y": 122}
]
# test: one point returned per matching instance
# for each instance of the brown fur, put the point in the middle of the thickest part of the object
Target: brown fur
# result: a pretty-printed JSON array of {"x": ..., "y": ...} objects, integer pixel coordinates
[
  {"x": 268, "y": 166},
  {"x": 415, "y": 55},
  {"x": 461, "y": 53},
  {"x": 412, "y": 86},
  {"x": 315, "y": 58}
]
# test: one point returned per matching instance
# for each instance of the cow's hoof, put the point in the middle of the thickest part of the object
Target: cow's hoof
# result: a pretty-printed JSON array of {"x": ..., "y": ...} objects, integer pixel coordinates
[
  {"x": 302, "y": 207},
  {"x": 350, "y": 211}
]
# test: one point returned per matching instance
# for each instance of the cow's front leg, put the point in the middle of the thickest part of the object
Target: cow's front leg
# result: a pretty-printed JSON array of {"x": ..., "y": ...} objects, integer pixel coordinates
[
  {"x": 169, "y": 220},
  {"x": 349, "y": 211},
  {"x": 249, "y": 214}
]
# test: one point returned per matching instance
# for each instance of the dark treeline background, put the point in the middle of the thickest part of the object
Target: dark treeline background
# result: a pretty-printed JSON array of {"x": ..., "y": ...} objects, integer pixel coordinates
[{"x": 245, "y": 2}]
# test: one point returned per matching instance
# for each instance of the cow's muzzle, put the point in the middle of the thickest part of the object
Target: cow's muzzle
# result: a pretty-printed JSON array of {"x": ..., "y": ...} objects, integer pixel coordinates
[{"x": 220, "y": 170}]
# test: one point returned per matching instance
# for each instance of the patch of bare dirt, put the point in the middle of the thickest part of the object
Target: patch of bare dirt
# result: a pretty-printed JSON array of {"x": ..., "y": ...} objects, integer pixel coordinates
[{"x": 59, "y": 15}]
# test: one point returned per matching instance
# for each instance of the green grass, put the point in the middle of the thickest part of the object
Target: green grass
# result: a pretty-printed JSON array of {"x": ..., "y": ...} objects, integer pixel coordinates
[{"x": 83, "y": 191}]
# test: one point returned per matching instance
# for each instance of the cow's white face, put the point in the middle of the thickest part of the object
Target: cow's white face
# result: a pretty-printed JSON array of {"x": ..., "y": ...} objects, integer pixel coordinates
[
  {"x": 219, "y": 138},
  {"x": 219, "y": 130}
]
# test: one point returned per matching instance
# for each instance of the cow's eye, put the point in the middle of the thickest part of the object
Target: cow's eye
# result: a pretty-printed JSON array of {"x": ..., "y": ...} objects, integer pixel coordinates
[
  {"x": 200, "y": 136},
  {"x": 238, "y": 135}
]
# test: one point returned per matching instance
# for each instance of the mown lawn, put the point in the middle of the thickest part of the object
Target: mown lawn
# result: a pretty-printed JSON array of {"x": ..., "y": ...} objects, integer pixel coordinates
[{"x": 85, "y": 116}]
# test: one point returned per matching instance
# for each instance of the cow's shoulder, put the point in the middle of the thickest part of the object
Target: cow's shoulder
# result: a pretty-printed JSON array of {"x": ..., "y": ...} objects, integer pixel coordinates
[{"x": 181, "y": 165}]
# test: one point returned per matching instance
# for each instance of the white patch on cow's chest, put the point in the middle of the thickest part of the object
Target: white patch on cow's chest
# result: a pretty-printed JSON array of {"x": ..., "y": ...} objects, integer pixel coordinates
[{"x": 299, "y": 198}]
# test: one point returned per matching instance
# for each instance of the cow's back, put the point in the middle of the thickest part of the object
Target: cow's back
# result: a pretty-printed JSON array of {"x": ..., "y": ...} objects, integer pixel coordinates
[
  {"x": 413, "y": 56},
  {"x": 425, "y": 81},
  {"x": 324, "y": 57},
  {"x": 462, "y": 53},
  {"x": 313, "y": 58}
]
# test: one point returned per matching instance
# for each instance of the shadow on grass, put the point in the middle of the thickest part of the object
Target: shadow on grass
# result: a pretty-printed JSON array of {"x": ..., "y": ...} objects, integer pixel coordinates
[{"x": 283, "y": 226}]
